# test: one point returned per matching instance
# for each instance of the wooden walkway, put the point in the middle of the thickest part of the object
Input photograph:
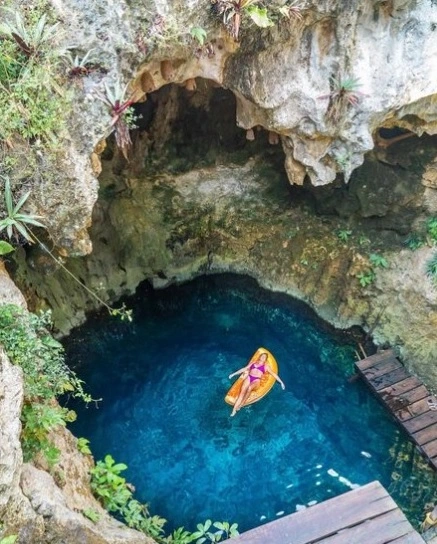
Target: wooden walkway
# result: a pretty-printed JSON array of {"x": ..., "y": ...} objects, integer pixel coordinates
[
  {"x": 367, "y": 515},
  {"x": 406, "y": 397}
]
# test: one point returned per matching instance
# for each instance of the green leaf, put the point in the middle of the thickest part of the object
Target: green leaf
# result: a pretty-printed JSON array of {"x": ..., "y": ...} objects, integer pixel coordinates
[
  {"x": 198, "y": 34},
  {"x": 259, "y": 16},
  {"x": 11, "y": 539},
  {"x": 5, "y": 248}
]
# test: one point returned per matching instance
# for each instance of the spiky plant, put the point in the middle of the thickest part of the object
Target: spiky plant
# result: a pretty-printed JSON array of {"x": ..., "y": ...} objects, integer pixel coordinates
[
  {"x": 15, "y": 221},
  {"x": 344, "y": 93},
  {"x": 232, "y": 12},
  {"x": 28, "y": 38},
  {"x": 292, "y": 10},
  {"x": 78, "y": 66},
  {"x": 431, "y": 268},
  {"x": 115, "y": 98}
]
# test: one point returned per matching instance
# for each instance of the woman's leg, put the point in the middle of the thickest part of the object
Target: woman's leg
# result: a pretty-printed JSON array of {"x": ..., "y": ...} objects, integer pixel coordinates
[{"x": 244, "y": 388}]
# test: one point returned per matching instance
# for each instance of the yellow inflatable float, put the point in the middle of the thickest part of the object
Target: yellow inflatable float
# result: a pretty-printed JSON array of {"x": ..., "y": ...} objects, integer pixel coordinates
[{"x": 266, "y": 383}]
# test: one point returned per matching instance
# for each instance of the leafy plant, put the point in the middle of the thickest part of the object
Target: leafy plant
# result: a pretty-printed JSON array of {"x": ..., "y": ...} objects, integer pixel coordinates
[
  {"x": 5, "y": 248},
  {"x": 28, "y": 343},
  {"x": 199, "y": 34},
  {"x": 292, "y": 10},
  {"x": 366, "y": 278},
  {"x": 344, "y": 235},
  {"x": 11, "y": 539},
  {"x": 431, "y": 268},
  {"x": 83, "y": 446},
  {"x": 344, "y": 93},
  {"x": 431, "y": 228},
  {"x": 15, "y": 221},
  {"x": 378, "y": 260},
  {"x": 91, "y": 514},
  {"x": 78, "y": 66},
  {"x": 414, "y": 241},
  {"x": 214, "y": 532},
  {"x": 28, "y": 38},
  {"x": 119, "y": 105},
  {"x": 232, "y": 12}
]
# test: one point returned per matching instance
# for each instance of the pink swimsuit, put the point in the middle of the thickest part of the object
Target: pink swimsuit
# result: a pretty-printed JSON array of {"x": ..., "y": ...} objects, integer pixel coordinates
[{"x": 253, "y": 366}]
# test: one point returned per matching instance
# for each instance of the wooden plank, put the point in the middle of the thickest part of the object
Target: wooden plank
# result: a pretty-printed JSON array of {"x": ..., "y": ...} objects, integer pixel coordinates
[
  {"x": 412, "y": 538},
  {"x": 420, "y": 422},
  {"x": 414, "y": 409},
  {"x": 324, "y": 519},
  {"x": 385, "y": 528},
  {"x": 430, "y": 448},
  {"x": 390, "y": 378},
  {"x": 405, "y": 389},
  {"x": 375, "y": 359},
  {"x": 382, "y": 368},
  {"x": 425, "y": 435}
]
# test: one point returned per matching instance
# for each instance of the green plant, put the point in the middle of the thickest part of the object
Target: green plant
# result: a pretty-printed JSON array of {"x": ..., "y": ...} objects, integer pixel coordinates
[
  {"x": 292, "y": 10},
  {"x": 91, "y": 514},
  {"x": 5, "y": 248},
  {"x": 11, "y": 539},
  {"x": 233, "y": 11},
  {"x": 198, "y": 34},
  {"x": 28, "y": 38},
  {"x": 344, "y": 93},
  {"x": 205, "y": 531},
  {"x": 83, "y": 446},
  {"x": 414, "y": 241},
  {"x": 32, "y": 102},
  {"x": 344, "y": 234},
  {"x": 366, "y": 278},
  {"x": 78, "y": 66},
  {"x": 378, "y": 260},
  {"x": 431, "y": 228},
  {"x": 431, "y": 268},
  {"x": 115, "y": 97},
  {"x": 28, "y": 343},
  {"x": 108, "y": 485},
  {"x": 15, "y": 221}
]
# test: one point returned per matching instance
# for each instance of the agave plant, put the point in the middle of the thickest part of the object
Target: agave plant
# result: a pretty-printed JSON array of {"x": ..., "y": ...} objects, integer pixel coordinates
[
  {"x": 78, "y": 66},
  {"x": 15, "y": 220},
  {"x": 28, "y": 39},
  {"x": 344, "y": 93},
  {"x": 232, "y": 11},
  {"x": 115, "y": 98}
]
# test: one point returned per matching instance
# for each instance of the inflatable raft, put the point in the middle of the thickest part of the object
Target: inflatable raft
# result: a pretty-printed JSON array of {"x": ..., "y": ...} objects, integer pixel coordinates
[{"x": 266, "y": 383}]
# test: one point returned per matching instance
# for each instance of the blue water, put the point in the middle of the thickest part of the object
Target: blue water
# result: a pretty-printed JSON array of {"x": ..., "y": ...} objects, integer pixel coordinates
[{"x": 163, "y": 380}]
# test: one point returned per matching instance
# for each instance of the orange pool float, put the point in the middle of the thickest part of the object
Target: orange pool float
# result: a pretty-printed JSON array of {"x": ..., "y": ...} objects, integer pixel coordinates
[{"x": 266, "y": 383}]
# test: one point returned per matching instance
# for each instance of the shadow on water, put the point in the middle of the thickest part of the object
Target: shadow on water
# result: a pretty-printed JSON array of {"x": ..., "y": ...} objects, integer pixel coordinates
[{"x": 163, "y": 379}]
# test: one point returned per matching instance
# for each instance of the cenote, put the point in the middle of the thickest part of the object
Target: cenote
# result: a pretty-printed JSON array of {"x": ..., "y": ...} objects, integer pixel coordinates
[{"x": 163, "y": 379}]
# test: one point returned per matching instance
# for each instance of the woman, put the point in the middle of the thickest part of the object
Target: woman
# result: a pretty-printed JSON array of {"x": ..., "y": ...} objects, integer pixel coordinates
[{"x": 254, "y": 372}]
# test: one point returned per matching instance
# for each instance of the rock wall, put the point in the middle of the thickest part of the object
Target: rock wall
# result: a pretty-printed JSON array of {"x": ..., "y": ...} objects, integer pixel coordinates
[{"x": 32, "y": 504}]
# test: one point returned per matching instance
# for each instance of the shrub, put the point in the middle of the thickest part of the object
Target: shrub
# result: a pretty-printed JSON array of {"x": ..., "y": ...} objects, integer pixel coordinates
[
  {"x": 28, "y": 343},
  {"x": 431, "y": 268}
]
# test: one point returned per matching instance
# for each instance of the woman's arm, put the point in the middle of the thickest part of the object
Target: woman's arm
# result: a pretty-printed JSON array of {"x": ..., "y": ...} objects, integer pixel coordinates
[
  {"x": 277, "y": 378},
  {"x": 239, "y": 371}
]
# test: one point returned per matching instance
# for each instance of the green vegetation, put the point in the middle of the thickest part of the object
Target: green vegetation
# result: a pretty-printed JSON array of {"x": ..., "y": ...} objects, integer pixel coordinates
[
  {"x": 344, "y": 93},
  {"x": 431, "y": 229},
  {"x": 83, "y": 446},
  {"x": 15, "y": 220},
  {"x": 5, "y": 248},
  {"x": 91, "y": 515},
  {"x": 414, "y": 241},
  {"x": 378, "y": 260},
  {"x": 366, "y": 278},
  {"x": 233, "y": 13},
  {"x": 32, "y": 103},
  {"x": 431, "y": 268},
  {"x": 344, "y": 235},
  {"x": 199, "y": 34},
  {"x": 29, "y": 344},
  {"x": 11, "y": 539},
  {"x": 116, "y": 495}
]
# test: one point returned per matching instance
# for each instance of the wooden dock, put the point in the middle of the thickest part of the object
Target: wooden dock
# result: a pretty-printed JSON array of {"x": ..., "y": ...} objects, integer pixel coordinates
[
  {"x": 406, "y": 397},
  {"x": 367, "y": 515}
]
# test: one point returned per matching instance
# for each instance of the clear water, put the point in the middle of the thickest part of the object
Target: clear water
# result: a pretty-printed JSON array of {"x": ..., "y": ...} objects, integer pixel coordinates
[{"x": 163, "y": 380}]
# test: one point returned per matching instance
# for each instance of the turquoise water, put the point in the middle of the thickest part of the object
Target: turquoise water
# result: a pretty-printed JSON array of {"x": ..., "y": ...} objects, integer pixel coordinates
[{"x": 163, "y": 379}]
